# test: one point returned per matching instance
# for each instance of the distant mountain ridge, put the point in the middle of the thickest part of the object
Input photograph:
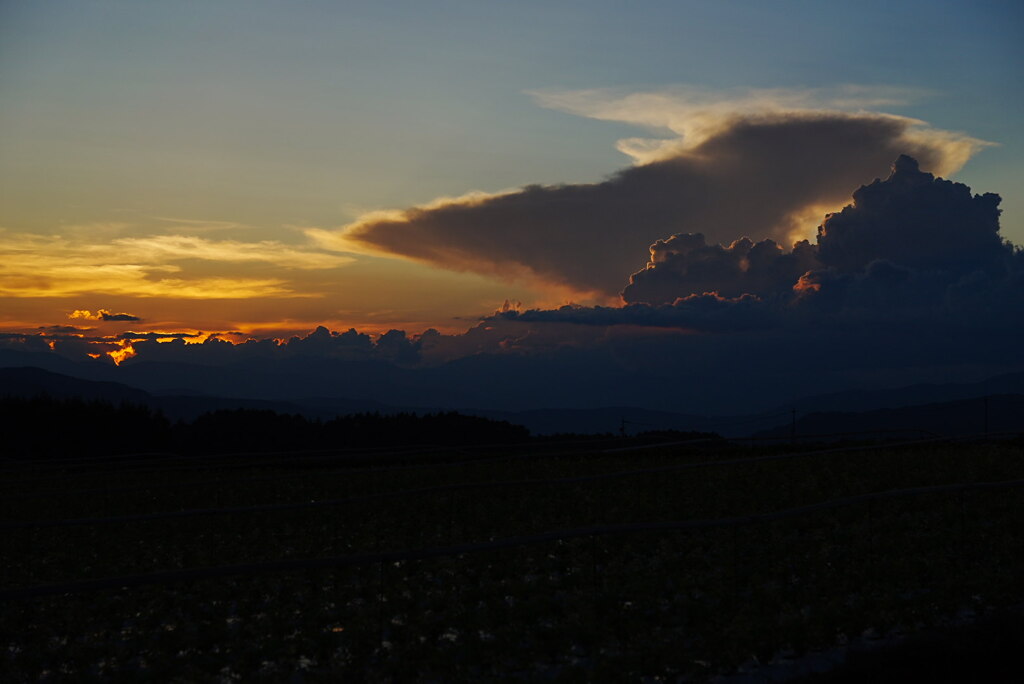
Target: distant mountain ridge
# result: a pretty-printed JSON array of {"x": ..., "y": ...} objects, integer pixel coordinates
[
  {"x": 28, "y": 381},
  {"x": 990, "y": 414},
  {"x": 628, "y": 419},
  {"x": 31, "y": 381},
  {"x": 912, "y": 395},
  {"x": 889, "y": 413}
]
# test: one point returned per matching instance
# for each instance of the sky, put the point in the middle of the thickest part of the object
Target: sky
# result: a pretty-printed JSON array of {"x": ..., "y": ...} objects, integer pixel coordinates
[{"x": 259, "y": 169}]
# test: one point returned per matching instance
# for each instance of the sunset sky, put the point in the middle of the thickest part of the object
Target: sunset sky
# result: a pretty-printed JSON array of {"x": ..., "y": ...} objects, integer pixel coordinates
[{"x": 268, "y": 167}]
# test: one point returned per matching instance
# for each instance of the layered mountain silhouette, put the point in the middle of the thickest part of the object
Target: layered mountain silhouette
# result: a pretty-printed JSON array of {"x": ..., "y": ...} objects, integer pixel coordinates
[
  {"x": 987, "y": 415},
  {"x": 994, "y": 406},
  {"x": 27, "y": 382}
]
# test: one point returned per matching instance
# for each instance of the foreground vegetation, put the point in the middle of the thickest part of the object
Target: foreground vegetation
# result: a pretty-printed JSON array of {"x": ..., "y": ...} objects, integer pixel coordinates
[
  {"x": 47, "y": 428},
  {"x": 673, "y": 603}
]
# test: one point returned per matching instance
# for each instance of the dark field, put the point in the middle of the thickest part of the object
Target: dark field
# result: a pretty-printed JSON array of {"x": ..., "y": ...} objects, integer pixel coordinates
[{"x": 434, "y": 565}]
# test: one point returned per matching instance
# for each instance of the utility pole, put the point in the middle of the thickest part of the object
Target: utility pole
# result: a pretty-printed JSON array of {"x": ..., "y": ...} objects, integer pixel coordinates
[
  {"x": 986, "y": 416},
  {"x": 792, "y": 426}
]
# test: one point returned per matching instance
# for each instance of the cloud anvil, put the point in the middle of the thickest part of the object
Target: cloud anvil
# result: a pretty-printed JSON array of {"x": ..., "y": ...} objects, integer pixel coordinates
[{"x": 755, "y": 176}]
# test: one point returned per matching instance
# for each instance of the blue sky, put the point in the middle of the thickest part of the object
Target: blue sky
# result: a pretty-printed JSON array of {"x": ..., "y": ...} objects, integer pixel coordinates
[{"x": 245, "y": 123}]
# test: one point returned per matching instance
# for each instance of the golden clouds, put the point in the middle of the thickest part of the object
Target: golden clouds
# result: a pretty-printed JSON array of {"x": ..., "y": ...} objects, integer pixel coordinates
[
  {"x": 102, "y": 315},
  {"x": 339, "y": 242},
  {"x": 162, "y": 248},
  {"x": 122, "y": 352},
  {"x": 87, "y": 315},
  {"x": 33, "y": 265}
]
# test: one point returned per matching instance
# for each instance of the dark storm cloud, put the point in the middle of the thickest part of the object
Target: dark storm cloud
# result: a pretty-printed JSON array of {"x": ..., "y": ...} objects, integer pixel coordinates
[
  {"x": 749, "y": 178},
  {"x": 918, "y": 287},
  {"x": 910, "y": 283},
  {"x": 321, "y": 343},
  {"x": 107, "y": 316},
  {"x": 918, "y": 245},
  {"x": 395, "y": 346},
  {"x": 53, "y": 334},
  {"x": 915, "y": 220},
  {"x": 684, "y": 265},
  {"x": 63, "y": 329},
  {"x": 129, "y": 335},
  {"x": 13, "y": 339},
  {"x": 704, "y": 312},
  {"x": 905, "y": 243}
]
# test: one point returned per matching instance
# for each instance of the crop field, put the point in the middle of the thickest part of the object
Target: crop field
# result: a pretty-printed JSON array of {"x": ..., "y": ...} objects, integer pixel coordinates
[{"x": 575, "y": 561}]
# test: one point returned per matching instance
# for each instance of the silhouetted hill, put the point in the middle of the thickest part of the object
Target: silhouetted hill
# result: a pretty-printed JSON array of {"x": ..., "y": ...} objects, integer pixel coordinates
[
  {"x": 912, "y": 395},
  {"x": 45, "y": 426},
  {"x": 294, "y": 378},
  {"x": 185, "y": 406},
  {"x": 483, "y": 382},
  {"x": 995, "y": 414},
  {"x": 32, "y": 382},
  {"x": 86, "y": 370},
  {"x": 629, "y": 418},
  {"x": 558, "y": 394}
]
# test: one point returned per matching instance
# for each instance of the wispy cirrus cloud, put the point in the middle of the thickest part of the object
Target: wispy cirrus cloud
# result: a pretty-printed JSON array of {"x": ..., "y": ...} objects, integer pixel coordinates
[
  {"x": 163, "y": 248},
  {"x": 689, "y": 115},
  {"x": 200, "y": 225},
  {"x": 33, "y": 265}
]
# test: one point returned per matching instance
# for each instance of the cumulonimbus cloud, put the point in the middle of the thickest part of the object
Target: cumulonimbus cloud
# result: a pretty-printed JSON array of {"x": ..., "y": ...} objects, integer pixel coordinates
[
  {"x": 753, "y": 173},
  {"x": 911, "y": 245},
  {"x": 684, "y": 265},
  {"x": 911, "y": 282}
]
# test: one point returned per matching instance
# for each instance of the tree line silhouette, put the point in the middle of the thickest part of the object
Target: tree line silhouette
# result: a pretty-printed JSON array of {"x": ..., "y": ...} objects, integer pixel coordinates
[{"x": 48, "y": 427}]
